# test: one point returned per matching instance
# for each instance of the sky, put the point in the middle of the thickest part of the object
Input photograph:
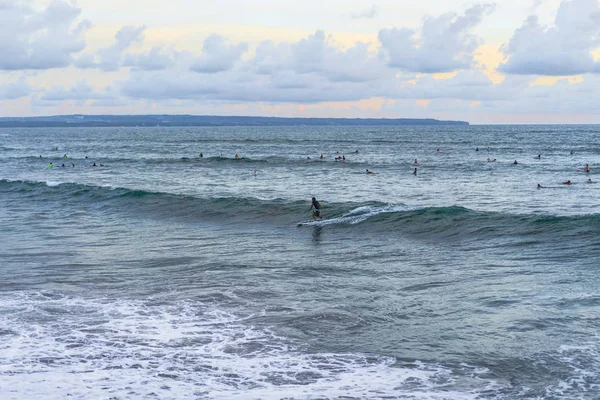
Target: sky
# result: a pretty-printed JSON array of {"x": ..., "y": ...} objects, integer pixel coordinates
[{"x": 508, "y": 62}]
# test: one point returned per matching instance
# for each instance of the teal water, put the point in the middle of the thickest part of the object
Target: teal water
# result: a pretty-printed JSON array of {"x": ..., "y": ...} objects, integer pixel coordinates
[{"x": 161, "y": 274}]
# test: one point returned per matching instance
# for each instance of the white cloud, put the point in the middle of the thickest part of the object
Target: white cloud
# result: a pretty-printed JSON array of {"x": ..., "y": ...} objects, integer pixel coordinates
[
  {"x": 31, "y": 39},
  {"x": 279, "y": 75},
  {"x": 562, "y": 49},
  {"x": 218, "y": 56},
  {"x": 110, "y": 58},
  {"x": 444, "y": 44},
  {"x": 311, "y": 70},
  {"x": 318, "y": 54},
  {"x": 367, "y": 13}
]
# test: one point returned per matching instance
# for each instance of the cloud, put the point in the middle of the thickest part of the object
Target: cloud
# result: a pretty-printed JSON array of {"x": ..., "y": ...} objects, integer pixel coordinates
[
  {"x": 319, "y": 73},
  {"x": 155, "y": 59},
  {"x": 218, "y": 55},
  {"x": 15, "y": 90},
  {"x": 562, "y": 49},
  {"x": 311, "y": 70},
  {"x": 109, "y": 102},
  {"x": 444, "y": 44},
  {"x": 368, "y": 13},
  {"x": 316, "y": 71},
  {"x": 319, "y": 55},
  {"x": 110, "y": 58},
  {"x": 80, "y": 92},
  {"x": 536, "y": 4},
  {"x": 31, "y": 39}
]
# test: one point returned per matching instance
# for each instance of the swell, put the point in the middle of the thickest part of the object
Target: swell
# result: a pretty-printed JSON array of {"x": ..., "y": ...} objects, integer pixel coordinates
[
  {"x": 174, "y": 160},
  {"x": 442, "y": 223}
]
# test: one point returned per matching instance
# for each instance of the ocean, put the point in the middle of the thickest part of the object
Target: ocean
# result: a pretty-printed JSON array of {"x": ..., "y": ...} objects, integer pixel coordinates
[{"x": 160, "y": 274}]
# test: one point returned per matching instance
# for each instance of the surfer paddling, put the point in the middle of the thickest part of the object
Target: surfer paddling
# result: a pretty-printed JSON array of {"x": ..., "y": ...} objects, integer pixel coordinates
[{"x": 316, "y": 213}]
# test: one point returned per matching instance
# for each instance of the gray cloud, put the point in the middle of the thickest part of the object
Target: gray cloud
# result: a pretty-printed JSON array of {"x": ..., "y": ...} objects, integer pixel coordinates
[
  {"x": 563, "y": 49},
  {"x": 45, "y": 39},
  {"x": 109, "y": 102},
  {"x": 80, "y": 92},
  {"x": 155, "y": 59},
  {"x": 218, "y": 56},
  {"x": 444, "y": 43},
  {"x": 15, "y": 90},
  {"x": 172, "y": 84}
]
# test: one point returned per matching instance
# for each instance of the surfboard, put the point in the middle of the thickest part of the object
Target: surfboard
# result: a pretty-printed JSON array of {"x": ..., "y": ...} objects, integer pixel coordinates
[{"x": 310, "y": 222}]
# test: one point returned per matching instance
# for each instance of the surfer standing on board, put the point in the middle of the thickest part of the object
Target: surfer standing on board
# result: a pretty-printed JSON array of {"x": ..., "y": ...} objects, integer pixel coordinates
[{"x": 316, "y": 213}]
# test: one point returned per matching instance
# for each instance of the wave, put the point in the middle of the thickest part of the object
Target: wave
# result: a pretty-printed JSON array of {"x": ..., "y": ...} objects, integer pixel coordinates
[
  {"x": 192, "y": 159},
  {"x": 440, "y": 223},
  {"x": 94, "y": 344}
]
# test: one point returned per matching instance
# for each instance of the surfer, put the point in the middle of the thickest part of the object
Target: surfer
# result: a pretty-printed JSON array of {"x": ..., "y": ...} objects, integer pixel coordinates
[
  {"x": 415, "y": 172},
  {"x": 237, "y": 156},
  {"x": 201, "y": 155},
  {"x": 369, "y": 172},
  {"x": 539, "y": 186},
  {"x": 539, "y": 156},
  {"x": 515, "y": 162},
  {"x": 567, "y": 182},
  {"x": 587, "y": 168},
  {"x": 316, "y": 213}
]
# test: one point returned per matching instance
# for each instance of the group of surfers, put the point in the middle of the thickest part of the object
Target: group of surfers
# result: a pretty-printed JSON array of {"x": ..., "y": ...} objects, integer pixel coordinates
[{"x": 315, "y": 206}]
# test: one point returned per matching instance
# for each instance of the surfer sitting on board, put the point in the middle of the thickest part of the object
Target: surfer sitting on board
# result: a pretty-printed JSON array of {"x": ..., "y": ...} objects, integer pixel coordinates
[{"x": 316, "y": 213}]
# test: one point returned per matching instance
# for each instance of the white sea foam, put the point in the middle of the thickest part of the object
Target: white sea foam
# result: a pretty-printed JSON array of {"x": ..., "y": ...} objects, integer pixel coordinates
[
  {"x": 53, "y": 183},
  {"x": 57, "y": 347},
  {"x": 361, "y": 214}
]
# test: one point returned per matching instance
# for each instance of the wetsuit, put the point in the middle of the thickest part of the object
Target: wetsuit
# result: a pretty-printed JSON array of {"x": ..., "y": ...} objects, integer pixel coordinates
[{"x": 317, "y": 210}]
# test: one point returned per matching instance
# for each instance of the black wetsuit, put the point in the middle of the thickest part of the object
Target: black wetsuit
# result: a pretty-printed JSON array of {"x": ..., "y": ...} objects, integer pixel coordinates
[{"x": 317, "y": 206}]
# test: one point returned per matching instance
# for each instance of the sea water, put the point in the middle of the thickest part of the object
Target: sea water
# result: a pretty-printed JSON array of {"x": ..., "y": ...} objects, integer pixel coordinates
[{"x": 161, "y": 274}]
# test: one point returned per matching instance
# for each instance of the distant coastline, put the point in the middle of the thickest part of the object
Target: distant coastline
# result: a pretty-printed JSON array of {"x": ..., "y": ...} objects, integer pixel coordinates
[{"x": 204, "y": 120}]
